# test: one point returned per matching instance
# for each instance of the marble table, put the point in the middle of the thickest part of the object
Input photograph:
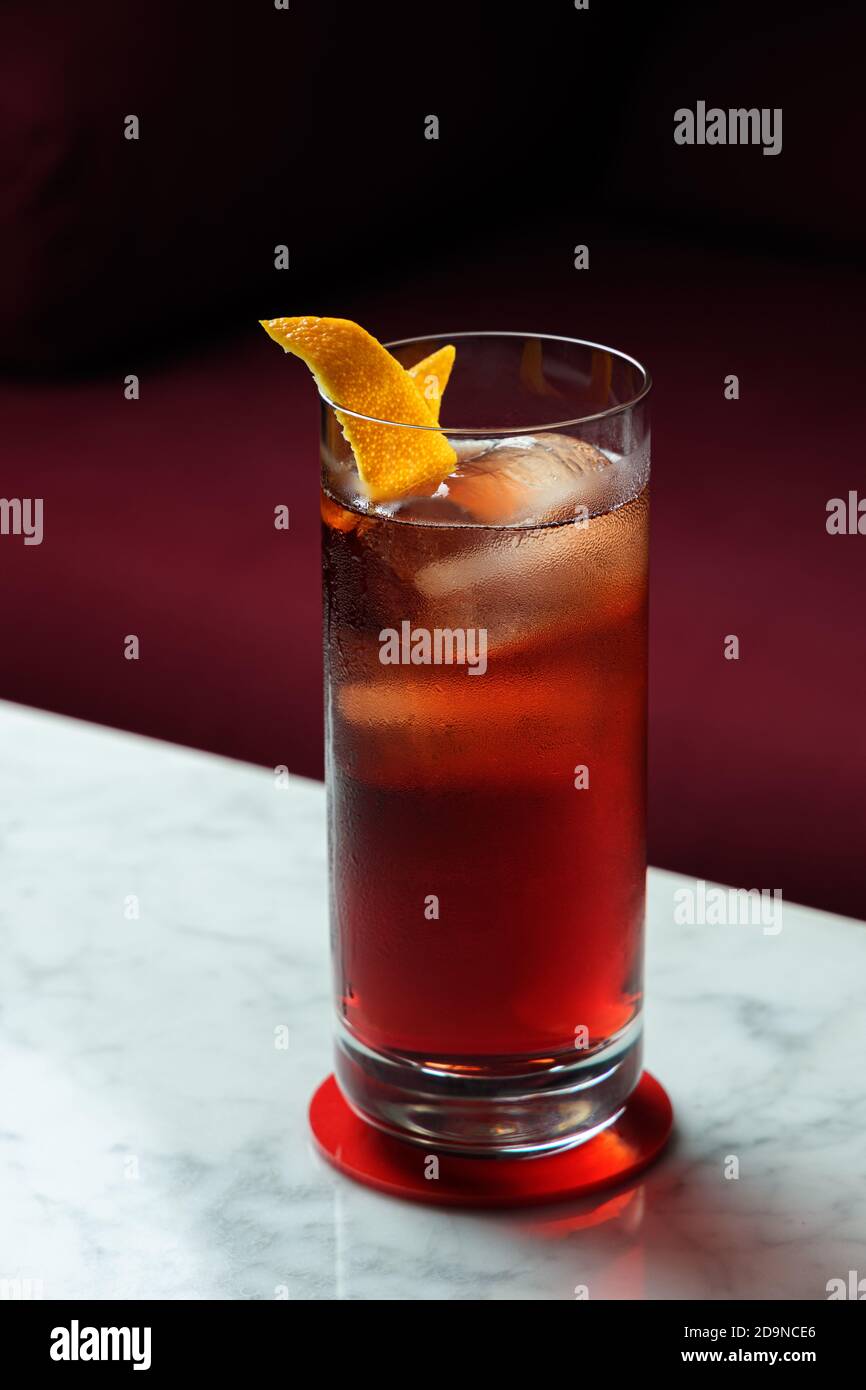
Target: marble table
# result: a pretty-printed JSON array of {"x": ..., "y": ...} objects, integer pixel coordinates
[{"x": 162, "y": 915}]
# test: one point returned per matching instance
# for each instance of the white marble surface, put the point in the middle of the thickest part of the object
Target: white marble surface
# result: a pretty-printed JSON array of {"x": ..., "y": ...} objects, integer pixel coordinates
[{"x": 153, "y": 1139}]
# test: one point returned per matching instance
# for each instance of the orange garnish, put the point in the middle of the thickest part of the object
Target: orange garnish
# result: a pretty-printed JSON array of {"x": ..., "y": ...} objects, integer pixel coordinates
[
  {"x": 431, "y": 376},
  {"x": 352, "y": 368}
]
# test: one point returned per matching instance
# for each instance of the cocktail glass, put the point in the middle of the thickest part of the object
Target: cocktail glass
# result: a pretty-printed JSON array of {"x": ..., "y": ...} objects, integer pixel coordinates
[{"x": 485, "y": 688}]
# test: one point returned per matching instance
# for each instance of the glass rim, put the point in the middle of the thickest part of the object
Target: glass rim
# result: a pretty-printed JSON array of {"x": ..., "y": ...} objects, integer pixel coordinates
[{"x": 474, "y": 431}]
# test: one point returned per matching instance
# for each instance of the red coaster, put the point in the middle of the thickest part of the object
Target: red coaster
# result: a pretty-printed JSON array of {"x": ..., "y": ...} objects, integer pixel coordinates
[{"x": 390, "y": 1165}]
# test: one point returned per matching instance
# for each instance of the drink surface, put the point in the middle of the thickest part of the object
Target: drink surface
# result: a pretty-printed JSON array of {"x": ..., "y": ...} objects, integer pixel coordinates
[{"x": 486, "y": 826}]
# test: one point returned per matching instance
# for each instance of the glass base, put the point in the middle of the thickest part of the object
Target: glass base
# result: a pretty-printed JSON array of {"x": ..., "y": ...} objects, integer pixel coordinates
[{"x": 524, "y": 1109}]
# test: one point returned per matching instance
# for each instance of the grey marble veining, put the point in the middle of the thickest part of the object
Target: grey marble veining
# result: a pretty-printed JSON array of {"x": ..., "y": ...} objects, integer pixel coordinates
[{"x": 153, "y": 1137}]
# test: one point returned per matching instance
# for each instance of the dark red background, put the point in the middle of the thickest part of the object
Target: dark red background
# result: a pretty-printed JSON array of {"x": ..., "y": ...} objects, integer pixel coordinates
[{"x": 261, "y": 127}]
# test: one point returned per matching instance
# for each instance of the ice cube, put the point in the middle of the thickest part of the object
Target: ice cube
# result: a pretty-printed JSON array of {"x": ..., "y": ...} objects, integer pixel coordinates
[
  {"x": 527, "y": 480},
  {"x": 527, "y": 585}
]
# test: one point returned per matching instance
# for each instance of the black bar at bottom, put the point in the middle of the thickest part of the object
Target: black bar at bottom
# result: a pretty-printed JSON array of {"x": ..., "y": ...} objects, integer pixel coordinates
[{"x": 223, "y": 1338}]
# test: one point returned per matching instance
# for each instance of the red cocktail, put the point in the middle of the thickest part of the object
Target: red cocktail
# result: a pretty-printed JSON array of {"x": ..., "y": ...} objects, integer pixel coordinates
[{"x": 486, "y": 707}]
